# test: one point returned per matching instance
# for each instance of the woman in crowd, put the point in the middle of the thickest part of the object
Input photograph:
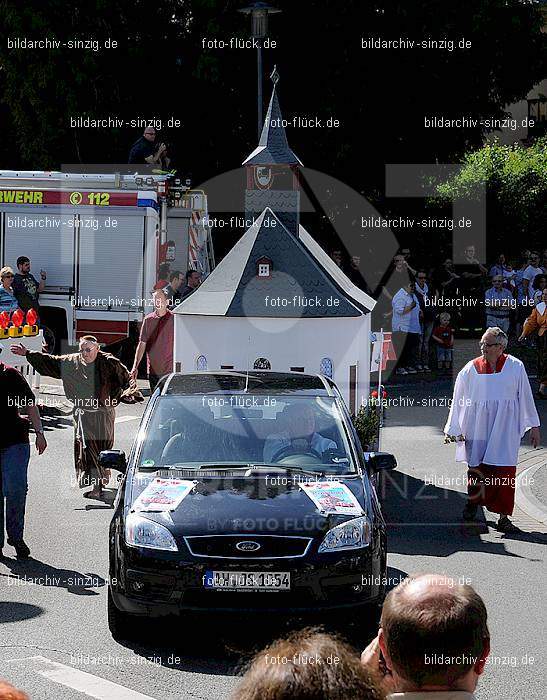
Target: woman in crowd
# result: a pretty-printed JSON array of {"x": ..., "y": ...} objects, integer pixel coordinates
[
  {"x": 308, "y": 665},
  {"x": 537, "y": 321},
  {"x": 8, "y": 302}
]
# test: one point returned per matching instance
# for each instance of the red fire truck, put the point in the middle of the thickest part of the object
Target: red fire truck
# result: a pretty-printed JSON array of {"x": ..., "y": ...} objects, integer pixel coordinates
[{"x": 101, "y": 239}]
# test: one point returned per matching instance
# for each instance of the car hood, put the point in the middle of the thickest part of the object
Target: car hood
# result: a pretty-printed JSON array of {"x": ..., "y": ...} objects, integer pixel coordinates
[{"x": 273, "y": 505}]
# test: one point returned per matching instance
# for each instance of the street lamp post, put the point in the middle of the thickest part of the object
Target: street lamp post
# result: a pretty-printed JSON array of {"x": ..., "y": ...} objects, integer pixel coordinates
[{"x": 259, "y": 12}]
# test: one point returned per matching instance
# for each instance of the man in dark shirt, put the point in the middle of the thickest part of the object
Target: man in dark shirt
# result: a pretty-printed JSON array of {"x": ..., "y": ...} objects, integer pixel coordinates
[
  {"x": 145, "y": 150},
  {"x": 156, "y": 339},
  {"x": 173, "y": 291},
  {"x": 15, "y": 393},
  {"x": 26, "y": 287},
  {"x": 356, "y": 275},
  {"x": 470, "y": 287},
  {"x": 193, "y": 280}
]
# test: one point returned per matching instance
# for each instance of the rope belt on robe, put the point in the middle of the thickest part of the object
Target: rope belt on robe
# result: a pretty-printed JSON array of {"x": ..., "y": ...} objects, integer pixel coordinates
[{"x": 80, "y": 434}]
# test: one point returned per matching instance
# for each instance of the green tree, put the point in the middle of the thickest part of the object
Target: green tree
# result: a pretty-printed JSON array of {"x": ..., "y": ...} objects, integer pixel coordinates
[
  {"x": 161, "y": 68},
  {"x": 515, "y": 178}
]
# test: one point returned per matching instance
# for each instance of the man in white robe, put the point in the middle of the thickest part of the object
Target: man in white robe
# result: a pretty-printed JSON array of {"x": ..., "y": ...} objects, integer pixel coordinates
[{"x": 492, "y": 408}]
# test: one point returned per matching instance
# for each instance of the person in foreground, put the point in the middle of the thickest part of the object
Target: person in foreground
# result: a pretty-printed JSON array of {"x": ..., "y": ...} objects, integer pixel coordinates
[
  {"x": 433, "y": 641},
  {"x": 308, "y": 665},
  {"x": 10, "y": 692},
  {"x": 95, "y": 382},
  {"x": 15, "y": 393},
  {"x": 492, "y": 408}
]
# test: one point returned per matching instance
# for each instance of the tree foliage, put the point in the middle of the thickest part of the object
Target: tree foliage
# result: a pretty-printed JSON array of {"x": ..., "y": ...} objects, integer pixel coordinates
[
  {"x": 515, "y": 178},
  {"x": 161, "y": 69}
]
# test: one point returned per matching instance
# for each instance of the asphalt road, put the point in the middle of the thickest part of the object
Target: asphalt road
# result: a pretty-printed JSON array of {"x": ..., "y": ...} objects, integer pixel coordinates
[{"x": 55, "y": 642}]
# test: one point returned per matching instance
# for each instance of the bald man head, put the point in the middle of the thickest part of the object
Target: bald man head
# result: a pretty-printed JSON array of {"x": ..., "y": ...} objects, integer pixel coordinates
[{"x": 434, "y": 634}]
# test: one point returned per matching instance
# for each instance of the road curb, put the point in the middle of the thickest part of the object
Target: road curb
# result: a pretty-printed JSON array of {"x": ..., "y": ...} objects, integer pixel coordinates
[{"x": 526, "y": 500}]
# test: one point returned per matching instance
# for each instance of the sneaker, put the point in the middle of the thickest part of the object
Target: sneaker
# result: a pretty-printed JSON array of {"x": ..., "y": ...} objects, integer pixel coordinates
[
  {"x": 469, "y": 512},
  {"x": 411, "y": 370},
  {"x": 425, "y": 368},
  {"x": 505, "y": 525},
  {"x": 21, "y": 549},
  {"x": 419, "y": 368},
  {"x": 401, "y": 370}
]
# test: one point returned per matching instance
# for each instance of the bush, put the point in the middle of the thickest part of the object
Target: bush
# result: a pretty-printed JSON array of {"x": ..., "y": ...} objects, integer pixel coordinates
[{"x": 367, "y": 425}]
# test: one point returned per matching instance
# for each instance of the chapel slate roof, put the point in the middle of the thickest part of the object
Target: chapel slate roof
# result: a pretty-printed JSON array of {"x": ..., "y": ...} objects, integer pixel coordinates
[
  {"x": 273, "y": 146},
  {"x": 298, "y": 275}
]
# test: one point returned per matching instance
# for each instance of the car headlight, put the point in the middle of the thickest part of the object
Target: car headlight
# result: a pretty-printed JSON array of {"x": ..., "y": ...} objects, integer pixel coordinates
[
  {"x": 141, "y": 532},
  {"x": 352, "y": 534}
]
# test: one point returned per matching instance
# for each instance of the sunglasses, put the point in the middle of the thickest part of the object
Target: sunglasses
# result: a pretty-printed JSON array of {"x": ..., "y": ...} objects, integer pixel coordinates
[
  {"x": 86, "y": 351},
  {"x": 6, "y": 277}
]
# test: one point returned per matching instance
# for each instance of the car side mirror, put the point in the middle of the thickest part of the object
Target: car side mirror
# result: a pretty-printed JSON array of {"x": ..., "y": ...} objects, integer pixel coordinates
[
  {"x": 113, "y": 459},
  {"x": 381, "y": 461}
]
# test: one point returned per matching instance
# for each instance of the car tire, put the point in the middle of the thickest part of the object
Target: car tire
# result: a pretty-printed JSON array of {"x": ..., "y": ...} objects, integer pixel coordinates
[{"x": 122, "y": 625}]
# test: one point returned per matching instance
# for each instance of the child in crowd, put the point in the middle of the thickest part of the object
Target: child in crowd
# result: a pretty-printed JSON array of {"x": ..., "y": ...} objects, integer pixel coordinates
[{"x": 443, "y": 335}]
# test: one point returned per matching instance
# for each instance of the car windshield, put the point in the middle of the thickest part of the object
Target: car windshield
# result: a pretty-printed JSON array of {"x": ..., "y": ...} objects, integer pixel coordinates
[{"x": 247, "y": 429}]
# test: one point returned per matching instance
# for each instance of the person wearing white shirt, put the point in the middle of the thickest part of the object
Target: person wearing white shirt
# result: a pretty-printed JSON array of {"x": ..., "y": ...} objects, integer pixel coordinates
[
  {"x": 533, "y": 269},
  {"x": 433, "y": 642},
  {"x": 492, "y": 409},
  {"x": 405, "y": 324}
]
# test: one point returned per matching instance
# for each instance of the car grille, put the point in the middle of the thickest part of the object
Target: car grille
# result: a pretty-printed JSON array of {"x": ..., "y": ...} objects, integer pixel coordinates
[{"x": 248, "y": 546}]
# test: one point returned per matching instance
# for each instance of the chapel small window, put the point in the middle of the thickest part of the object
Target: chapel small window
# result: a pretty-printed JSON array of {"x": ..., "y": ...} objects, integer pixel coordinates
[{"x": 262, "y": 363}]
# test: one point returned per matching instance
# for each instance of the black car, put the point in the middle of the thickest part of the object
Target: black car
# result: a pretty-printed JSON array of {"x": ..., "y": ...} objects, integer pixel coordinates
[{"x": 245, "y": 491}]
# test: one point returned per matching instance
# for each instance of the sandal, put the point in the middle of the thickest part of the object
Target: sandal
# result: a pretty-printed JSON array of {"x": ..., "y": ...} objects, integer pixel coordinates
[{"x": 97, "y": 495}]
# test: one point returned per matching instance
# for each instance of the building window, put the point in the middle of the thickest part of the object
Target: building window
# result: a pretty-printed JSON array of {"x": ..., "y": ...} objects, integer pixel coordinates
[
  {"x": 262, "y": 363},
  {"x": 201, "y": 363},
  {"x": 264, "y": 268},
  {"x": 326, "y": 367}
]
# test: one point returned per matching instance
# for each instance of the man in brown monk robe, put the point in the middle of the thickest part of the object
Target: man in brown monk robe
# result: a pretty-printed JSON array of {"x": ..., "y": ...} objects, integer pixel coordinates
[{"x": 95, "y": 382}]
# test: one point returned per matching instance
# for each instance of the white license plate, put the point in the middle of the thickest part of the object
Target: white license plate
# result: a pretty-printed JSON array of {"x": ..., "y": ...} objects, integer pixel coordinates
[{"x": 248, "y": 580}]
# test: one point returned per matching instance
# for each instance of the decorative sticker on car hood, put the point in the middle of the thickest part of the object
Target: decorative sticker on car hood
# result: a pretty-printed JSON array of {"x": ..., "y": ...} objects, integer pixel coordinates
[
  {"x": 163, "y": 495},
  {"x": 332, "y": 497}
]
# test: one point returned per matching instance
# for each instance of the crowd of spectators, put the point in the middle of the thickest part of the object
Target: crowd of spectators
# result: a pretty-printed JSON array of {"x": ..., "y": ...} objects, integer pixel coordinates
[{"x": 426, "y": 307}]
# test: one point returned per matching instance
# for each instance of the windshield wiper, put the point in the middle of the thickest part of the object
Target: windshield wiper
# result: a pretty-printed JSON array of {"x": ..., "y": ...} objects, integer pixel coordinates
[
  {"x": 247, "y": 466},
  {"x": 284, "y": 467}
]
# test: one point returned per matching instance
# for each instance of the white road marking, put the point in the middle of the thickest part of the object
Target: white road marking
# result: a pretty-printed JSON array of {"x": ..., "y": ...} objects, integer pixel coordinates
[
  {"x": 90, "y": 685},
  {"x": 124, "y": 419}
]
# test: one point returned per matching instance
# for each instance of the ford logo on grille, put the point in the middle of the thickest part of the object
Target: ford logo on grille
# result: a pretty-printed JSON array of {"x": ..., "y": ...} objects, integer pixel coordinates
[{"x": 248, "y": 546}]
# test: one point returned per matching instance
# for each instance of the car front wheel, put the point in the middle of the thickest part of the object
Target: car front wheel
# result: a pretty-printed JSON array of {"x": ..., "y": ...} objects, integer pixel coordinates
[{"x": 122, "y": 625}]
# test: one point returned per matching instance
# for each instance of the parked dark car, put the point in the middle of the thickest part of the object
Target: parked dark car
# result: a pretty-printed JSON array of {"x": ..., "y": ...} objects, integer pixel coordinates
[{"x": 245, "y": 492}]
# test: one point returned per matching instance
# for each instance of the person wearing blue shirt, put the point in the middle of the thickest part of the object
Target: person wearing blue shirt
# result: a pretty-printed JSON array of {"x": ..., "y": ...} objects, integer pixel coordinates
[
  {"x": 498, "y": 303},
  {"x": 8, "y": 302},
  {"x": 298, "y": 437}
]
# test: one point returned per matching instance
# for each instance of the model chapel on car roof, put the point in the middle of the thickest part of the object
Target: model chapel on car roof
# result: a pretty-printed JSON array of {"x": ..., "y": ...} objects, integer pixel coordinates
[{"x": 277, "y": 301}]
